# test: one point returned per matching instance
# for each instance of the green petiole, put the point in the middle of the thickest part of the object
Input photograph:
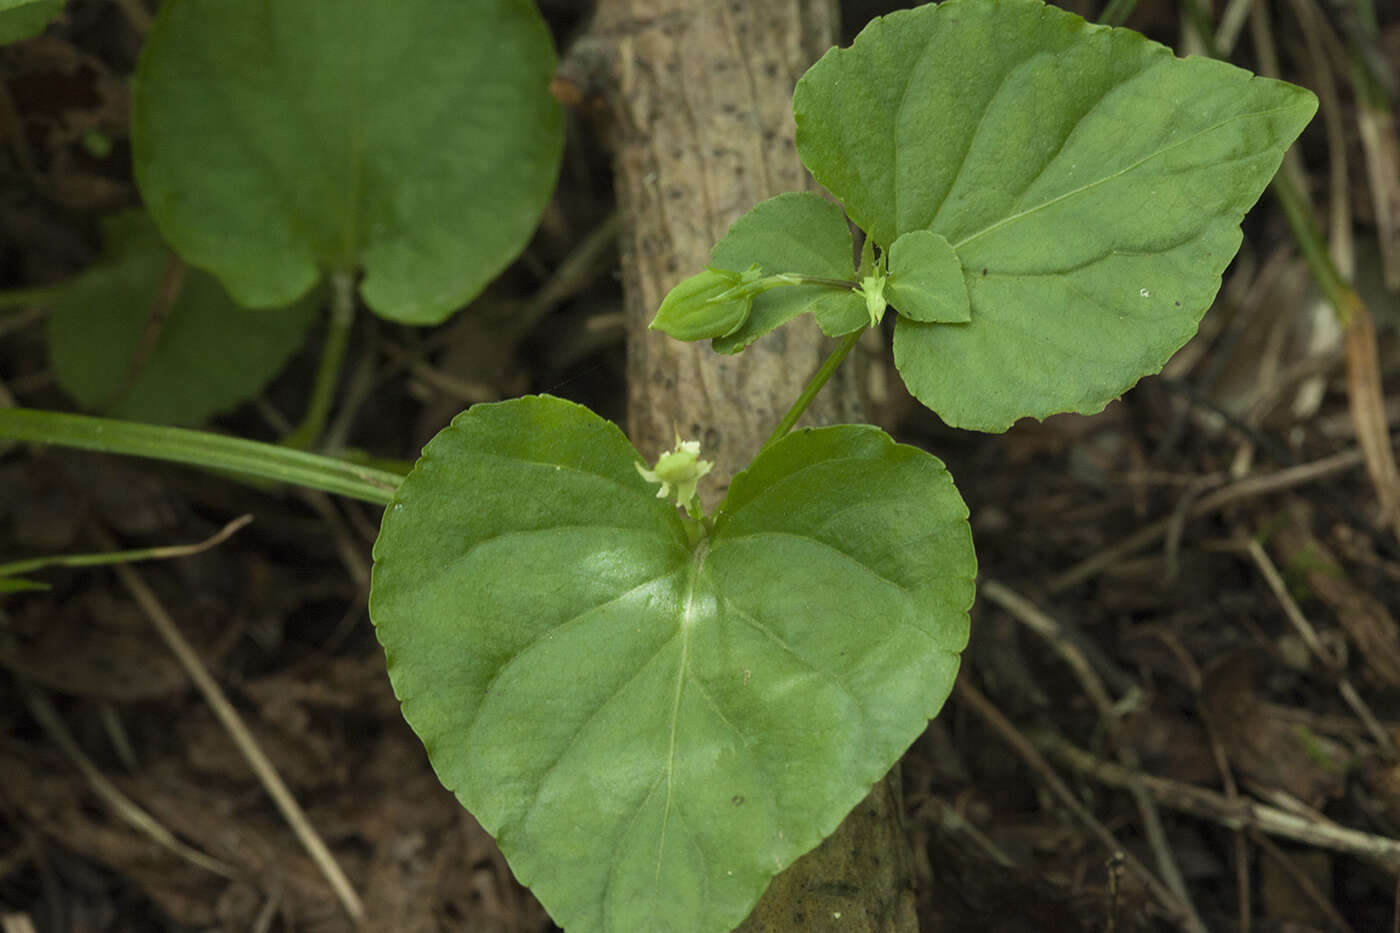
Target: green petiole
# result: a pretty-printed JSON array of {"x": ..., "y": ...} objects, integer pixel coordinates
[
  {"x": 202, "y": 449},
  {"x": 813, "y": 386}
]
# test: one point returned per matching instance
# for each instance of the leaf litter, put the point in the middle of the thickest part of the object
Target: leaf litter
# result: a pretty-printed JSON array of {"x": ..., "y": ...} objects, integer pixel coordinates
[{"x": 1211, "y": 684}]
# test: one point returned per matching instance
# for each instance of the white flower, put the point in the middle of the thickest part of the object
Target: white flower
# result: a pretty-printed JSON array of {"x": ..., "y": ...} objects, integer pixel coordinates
[{"x": 678, "y": 470}]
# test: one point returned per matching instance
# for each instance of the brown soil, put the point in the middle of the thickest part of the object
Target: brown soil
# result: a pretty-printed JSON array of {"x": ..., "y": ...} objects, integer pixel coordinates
[{"x": 1185, "y": 638}]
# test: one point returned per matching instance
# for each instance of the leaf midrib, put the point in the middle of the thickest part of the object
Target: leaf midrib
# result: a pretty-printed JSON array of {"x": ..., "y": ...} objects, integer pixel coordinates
[{"x": 697, "y": 565}]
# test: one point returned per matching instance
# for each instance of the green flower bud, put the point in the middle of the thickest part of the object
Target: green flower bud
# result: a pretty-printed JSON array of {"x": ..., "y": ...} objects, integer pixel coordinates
[{"x": 704, "y": 307}]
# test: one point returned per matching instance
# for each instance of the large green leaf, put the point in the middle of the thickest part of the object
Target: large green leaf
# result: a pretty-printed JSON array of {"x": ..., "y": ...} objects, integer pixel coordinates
[
  {"x": 799, "y": 232},
  {"x": 416, "y": 140},
  {"x": 203, "y": 357},
  {"x": 1091, "y": 184},
  {"x": 21, "y": 19},
  {"x": 652, "y": 729}
]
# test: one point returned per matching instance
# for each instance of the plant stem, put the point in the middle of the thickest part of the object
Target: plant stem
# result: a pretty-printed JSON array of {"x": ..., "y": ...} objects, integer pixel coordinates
[
  {"x": 1366, "y": 15},
  {"x": 1205, "y": 30},
  {"x": 1116, "y": 13},
  {"x": 822, "y": 280},
  {"x": 1340, "y": 295},
  {"x": 200, "y": 448},
  {"x": 24, "y": 297},
  {"x": 332, "y": 361},
  {"x": 813, "y": 386},
  {"x": 15, "y": 568}
]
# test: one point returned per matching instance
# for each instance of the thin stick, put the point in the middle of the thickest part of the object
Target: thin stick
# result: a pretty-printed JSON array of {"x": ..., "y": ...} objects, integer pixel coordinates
[
  {"x": 116, "y": 735},
  {"x": 983, "y": 707},
  {"x": 1231, "y": 22},
  {"x": 239, "y": 732},
  {"x": 21, "y": 319},
  {"x": 168, "y": 292},
  {"x": 1246, "y": 488},
  {"x": 1050, "y": 629},
  {"x": 1295, "y": 615},
  {"x": 949, "y": 819},
  {"x": 1227, "y": 778},
  {"x": 352, "y": 555},
  {"x": 1242, "y": 837},
  {"x": 1304, "y": 883},
  {"x": 463, "y": 390},
  {"x": 1291, "y": 609},
  {"x": 15, "y": 568},
  {"x": 1236, "y": 814},
  {"x": 126, "y": 809},
  {"x": 16, "y": 923},
  {"x": 583, "y": 264}
]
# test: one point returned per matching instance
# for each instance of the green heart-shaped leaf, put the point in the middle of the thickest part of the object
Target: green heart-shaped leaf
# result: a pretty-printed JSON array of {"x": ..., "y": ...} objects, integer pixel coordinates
[
  {"x": 653, "y": 729},
  {"x": 1091, "y": 184},
  {"x": 416, "y": 140},
  {"x": 201, "y": 356}
]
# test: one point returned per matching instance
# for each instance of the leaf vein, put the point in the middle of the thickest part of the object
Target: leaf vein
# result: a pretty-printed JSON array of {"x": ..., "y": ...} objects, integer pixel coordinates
[
  {"x": 802, "y": 659},
  {"x": 870, "y": 571},
  {"x": 1115, "y": 175}
]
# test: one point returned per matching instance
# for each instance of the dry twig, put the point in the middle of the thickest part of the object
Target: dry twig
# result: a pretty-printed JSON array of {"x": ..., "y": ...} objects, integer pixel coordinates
[
  {"x": 1023, "y": 747},
  {"x": 1049, "y": 629},
  {"x": 1242, "y": 813},
  {"x": 1211, "y": 502},
  {"x": 126, "y": 809},
  {"x": 1294, "y": 612},
  {"x": 241, "y": 735}
]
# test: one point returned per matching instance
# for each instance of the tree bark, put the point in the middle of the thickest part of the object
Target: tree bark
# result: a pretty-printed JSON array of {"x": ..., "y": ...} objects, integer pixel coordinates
[
  {"x": 700, "y": 102},
  {"x": 703, "y": 130}
]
